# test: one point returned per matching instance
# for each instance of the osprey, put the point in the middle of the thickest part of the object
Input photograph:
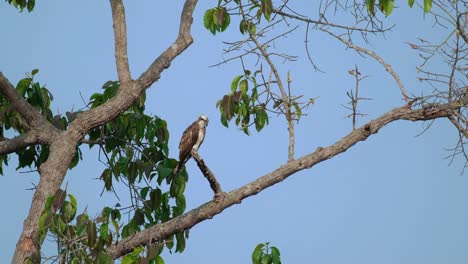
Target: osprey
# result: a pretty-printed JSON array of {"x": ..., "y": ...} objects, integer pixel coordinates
[{"x": 191, "y": 140}]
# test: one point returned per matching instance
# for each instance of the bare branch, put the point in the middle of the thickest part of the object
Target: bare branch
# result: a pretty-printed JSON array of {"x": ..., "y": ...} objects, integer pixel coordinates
[
  {"x": 183, "y": 41},
  {"x": 387, "y": 66},
  {"x": 120, "y": 38},
  {"x": 460, "y": 128},
  {"x": 206, "y": 211},
  {"x": 214, "y": 184}
]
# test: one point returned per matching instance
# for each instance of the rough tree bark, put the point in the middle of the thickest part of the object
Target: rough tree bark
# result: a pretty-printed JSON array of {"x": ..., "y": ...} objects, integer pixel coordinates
[{"x": 63, "y": 143}]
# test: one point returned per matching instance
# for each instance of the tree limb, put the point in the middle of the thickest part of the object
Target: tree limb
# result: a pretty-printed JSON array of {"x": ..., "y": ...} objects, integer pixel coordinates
[
  {"x": 30, "y": 115},
  {"x": 183, "y": 41},
  {"x": 209, "y": 175},
  {"x": 120, "y": 38},
  {"x": 19, "y": 142},
  {"x": 206, "y": 211}
]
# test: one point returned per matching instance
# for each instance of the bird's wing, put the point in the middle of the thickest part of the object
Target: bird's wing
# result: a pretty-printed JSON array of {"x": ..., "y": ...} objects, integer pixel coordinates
[{"x": 189, "y": 138}]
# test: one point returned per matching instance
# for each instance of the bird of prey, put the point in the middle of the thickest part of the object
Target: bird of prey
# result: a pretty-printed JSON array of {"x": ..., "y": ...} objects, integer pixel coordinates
[{"x": 191, "y": 140}]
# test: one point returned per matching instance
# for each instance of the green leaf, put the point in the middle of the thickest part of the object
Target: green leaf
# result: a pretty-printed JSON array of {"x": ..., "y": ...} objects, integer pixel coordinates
[
  {"x": 23, "y": 86},
  {"x": 389, "y": 7},
  {"x": 35, "y": 71},
  {"x": 235, "y": 83},
  {"x": 267, "y": 9},
  {"x": 91, "y": 233},
  {"x": 427, "y": 5},
  {"x": 106, "y": 176},
  {"x": 159, "y": 260},
  {"x": 104, "y": 231},
  {"x": 243, "y": 86},
  {"x": 275, "y": 254},
  {"x": 257, "y": 253},
  {"x": 371, "y": 6},
  {"x": 31, "y": 4},
  {"x": 298, "y": 111},
  {"x": 208, "y": 20},
  {"x": 155, "y": 197},
  {"x": 224, "y": 121},
  {"x": 81, "y": 223},
  {"x": 103, "y": 258},
  {"x": 410, "y": 3},
  {"x": 180, "y": 242},
  {"x": 266, "y": 259},
  {"x": 144, "y": 192}
]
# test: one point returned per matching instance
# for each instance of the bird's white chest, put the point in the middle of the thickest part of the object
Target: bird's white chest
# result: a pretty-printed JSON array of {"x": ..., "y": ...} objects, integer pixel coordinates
[{"x": 200, "y": 138}]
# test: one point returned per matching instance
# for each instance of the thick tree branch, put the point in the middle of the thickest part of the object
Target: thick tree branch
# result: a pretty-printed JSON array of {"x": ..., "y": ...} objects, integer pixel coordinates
[
  {"x": 19, "y": 142},
  {"x": 183, "y": 41},
  {"x": 63, "y": 145},
  {"x": 387, "y": 66},
  {"x": 208, "y": 210},
  {"x": 120, "y": 38}
]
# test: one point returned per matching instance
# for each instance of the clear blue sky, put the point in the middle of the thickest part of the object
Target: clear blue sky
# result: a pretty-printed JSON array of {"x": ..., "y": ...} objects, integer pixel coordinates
[{"x": 391, "y": 199}]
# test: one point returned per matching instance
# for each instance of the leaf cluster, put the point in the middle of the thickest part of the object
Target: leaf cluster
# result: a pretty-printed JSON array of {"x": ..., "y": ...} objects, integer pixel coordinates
[
  {"x": 242, "y": 104},
  {"x": 386, "y": 6},
  {"x": 40, "y": 98},
  {"x": 217, "y": 19},
  {"x": 266, "y": 254},
  {"x": 22, "y": 4}
]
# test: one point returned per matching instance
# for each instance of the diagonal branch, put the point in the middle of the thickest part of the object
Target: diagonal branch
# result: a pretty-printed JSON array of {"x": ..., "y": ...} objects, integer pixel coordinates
[
  {"x": 457, "y": 124},
  {"x": 183, "y": 41},
  {"x": 120, "y": 38},
  {"x": 214, "y": 184},
  {"x": 206, "y": 211},
  {"x": 387, "y": 66}
]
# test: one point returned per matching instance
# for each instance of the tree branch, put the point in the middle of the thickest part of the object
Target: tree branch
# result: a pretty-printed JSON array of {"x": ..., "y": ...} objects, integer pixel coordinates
[
  {"x": 19, "y": 142},
  {"x": 208, "y": 210},
  {"x": 183, "y": 41},
  {"x": 284, "y": 96},
  {"x": 120, "y": 36},
  {"x": 387, "y": 66},
  {"x": 214, "y": 184},
  {"x": 461, "y": 28},
  {"x": 30, "y": 115}
]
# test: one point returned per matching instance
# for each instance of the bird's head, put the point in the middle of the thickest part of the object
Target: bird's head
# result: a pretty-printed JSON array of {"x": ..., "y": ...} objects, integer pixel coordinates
[{"x": 205, "y": 119}]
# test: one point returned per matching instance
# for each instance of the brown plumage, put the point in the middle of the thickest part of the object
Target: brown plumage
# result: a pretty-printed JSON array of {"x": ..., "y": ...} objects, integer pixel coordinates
[{"x": 192, "y": 138}]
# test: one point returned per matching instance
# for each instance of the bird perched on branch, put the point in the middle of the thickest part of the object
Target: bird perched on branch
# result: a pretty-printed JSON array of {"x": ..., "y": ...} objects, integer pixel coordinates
[{"x": 191, "y": 140}]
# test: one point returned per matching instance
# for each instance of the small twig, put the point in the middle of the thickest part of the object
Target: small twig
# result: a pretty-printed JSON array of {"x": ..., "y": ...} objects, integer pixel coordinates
[
  {"x": 387, "y": 66},
  {"x": 214, "y": 184}
]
